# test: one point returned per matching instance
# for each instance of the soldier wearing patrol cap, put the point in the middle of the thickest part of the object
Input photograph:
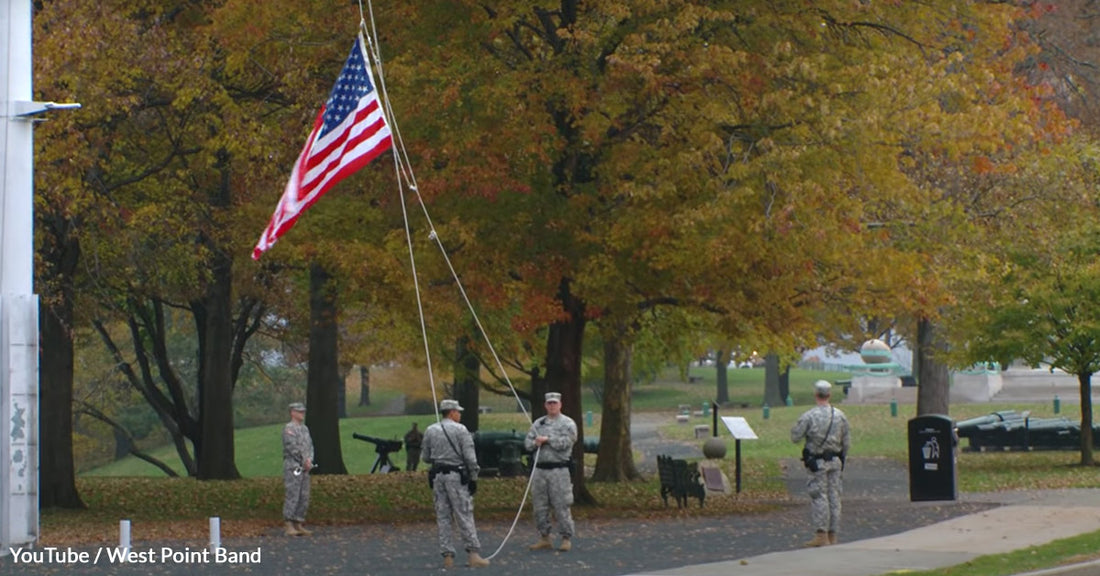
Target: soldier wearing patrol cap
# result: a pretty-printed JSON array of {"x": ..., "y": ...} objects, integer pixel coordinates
[
  {"x": 297, "y": 462},
  {"x": 825, "y": 432},
  {"x": 449, "y": 448},
  {"x": 552, "y": 483}
]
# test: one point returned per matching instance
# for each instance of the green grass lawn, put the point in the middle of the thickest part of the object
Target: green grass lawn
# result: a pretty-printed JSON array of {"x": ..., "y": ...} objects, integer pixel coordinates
[
  {"x": 1058, "y": 553},
  {"x": 746, "y": 387},
  {"x": 875, "y": 433},
  {"x": 259, "y": 450}
]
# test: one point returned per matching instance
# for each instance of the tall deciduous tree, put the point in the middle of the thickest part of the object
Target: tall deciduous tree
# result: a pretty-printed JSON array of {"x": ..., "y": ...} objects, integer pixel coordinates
[
  {"x": 1045, "y": 311},
  {"x": 324, "y": 375},
  {"x": 723, "y": 156},
  {"x": 162, "y": 144},
  {"x": 57, "y": 480},
  {"x": 67, "y": 184}
]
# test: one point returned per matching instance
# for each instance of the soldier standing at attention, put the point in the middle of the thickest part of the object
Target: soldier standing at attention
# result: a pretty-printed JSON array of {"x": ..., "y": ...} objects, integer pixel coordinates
[
  {"x": 825, "y": 431},
  {"x": 449, "y": 448},
  {"x": 413, "y": 441},
  {"x": 297, "y": 462},
  {"x": 552, "y": 484}
]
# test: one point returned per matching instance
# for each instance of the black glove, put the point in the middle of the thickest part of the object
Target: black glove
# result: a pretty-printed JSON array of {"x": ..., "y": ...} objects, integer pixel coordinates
[{"x": 472, "y": 487}]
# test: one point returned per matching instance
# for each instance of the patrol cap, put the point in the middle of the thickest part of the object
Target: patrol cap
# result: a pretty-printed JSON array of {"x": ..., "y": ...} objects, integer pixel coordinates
[
  {"x": 298, "y": 406},
  {"x": 446, "y": 405},
  {"x": 822, "y": 388},
  {"x": 553, "y": 397}
]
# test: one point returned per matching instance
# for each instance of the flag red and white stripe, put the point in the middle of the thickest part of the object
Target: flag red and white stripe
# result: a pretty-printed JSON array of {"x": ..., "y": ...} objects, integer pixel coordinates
[{"x": 349, "y": 132}]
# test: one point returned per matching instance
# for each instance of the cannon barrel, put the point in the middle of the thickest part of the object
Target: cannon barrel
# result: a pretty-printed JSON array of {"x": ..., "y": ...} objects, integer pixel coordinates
[
  {"x": 993, "y": 420},
  {"x": 381, "y": 444}
]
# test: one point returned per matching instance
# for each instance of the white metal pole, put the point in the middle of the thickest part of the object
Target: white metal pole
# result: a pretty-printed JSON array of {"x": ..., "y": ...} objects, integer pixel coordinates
[
  {"x": 18, "y": 304},
  {"x": 124, "y": 537},
  {"x": 215, "y": 533}
]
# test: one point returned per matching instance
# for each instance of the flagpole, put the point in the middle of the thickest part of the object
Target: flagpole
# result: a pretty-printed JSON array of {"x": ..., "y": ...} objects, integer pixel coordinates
[{"x": 19, "y": 518}]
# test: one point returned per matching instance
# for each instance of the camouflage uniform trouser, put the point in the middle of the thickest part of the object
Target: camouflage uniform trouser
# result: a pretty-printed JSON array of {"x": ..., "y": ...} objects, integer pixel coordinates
[
  {"x": 552, "y": 490},
  {"x": 412, "y": 459},
  {"x": 296, "y": 501},
  {"x": 452, "y": 498},
  {"x": 825, "y": 487}
]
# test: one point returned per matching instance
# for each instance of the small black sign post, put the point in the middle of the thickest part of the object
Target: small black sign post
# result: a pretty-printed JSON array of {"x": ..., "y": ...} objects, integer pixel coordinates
[{"x": 932, "y": 470}]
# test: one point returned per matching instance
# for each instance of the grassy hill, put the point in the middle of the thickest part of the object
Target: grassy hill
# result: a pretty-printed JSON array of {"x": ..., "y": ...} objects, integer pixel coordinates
[{"x": 259, "y": 448}]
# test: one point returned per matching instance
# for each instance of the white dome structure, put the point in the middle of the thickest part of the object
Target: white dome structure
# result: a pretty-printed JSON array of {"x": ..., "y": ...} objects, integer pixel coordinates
[{"x": 875, "y": 351}]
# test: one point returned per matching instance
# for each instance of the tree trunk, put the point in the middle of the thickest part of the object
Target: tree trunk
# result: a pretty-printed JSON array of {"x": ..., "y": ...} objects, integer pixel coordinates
[
  {"x": 323, "y": 376},
  {"x": 123, "y": 438},
  {"x": 123, "y": 443},
  {"x": 342, "y": 395},
  {"x": 785, "y": 383},
  {"x": 467, "y": 388},
  {"x": 214, "y": 319},
  {"x": 771, "y": 380},
  {"x": 539, "y": 388},
  {"x": 1085, "y": 383},
  {"x": 364, "y": 386},
  {"x": 563, "y": 374},
  {"x": 933, "y": 387},
  {"x": 615, "y": 460},
  {"x": 721, "y": 375},
  {"x": 169, "y": 403},
  {"x": 57, "y": 472}
]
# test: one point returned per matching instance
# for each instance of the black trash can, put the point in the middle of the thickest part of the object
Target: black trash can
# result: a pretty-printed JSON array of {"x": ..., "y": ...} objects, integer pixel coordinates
[{"x": 932, "y": 471}]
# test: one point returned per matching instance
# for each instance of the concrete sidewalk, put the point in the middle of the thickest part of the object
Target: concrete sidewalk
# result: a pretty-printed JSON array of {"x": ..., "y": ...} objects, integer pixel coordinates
[{"x": 1023, "y": 519}]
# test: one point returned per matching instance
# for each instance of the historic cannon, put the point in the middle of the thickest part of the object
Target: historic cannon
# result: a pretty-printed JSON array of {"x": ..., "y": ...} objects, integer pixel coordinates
[
  {"x": 502, "y": 453},
  {"x": 499, "y": 453},
  {"x": 1010, "y": 430},
  {"x": 383, "y": 448}
]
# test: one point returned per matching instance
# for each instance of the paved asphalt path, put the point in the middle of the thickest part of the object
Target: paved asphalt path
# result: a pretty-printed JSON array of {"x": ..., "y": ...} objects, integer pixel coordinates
[
  {"x": 600, "y": 547},
  {"x": 876, "y": 504}
]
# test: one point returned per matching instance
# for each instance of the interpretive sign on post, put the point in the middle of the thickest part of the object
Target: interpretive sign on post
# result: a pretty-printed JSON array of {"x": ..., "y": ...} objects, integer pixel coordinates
[{"x": 740, "y": 430}]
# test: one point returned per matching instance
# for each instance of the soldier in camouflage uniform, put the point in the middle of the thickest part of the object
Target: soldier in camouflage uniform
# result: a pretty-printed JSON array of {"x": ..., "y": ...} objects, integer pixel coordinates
[
  {"x": 414, "y": 439},
  {"x": 449, "y": 448},
  {"x": 297, "y": 462},
  {"x": 826, "y": 434},
  {"x": 552, "y": 485}
]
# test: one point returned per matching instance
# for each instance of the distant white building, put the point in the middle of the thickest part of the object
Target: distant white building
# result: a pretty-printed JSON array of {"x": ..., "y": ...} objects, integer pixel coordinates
[{"x": 902, "y": 355}]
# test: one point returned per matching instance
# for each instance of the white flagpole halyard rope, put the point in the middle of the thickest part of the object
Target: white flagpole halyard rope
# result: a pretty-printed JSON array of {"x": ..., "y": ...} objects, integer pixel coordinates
[
  {"x": 405, "y": 176},
  {"x": 400, "y": 168},
  {"x": 405, "y": 172}
]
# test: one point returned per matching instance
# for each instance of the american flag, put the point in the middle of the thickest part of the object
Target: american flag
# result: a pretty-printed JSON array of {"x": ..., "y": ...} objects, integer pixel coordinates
[{"x": 349, "y": 132}]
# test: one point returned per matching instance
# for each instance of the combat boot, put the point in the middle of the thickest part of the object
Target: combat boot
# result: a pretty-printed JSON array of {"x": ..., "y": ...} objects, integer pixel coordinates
[
  {"x": 544, "y": 543},
  {"x": 832, "y": 537},
  {"x": 820, "y": 539},
  {"x": 302, "y": 528},
  {"x": 291, "y": 529},
  {"x": 474, "y": 560},
  {"x": 566, "y": 545},
  {"x": 448, "y": 562}
]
